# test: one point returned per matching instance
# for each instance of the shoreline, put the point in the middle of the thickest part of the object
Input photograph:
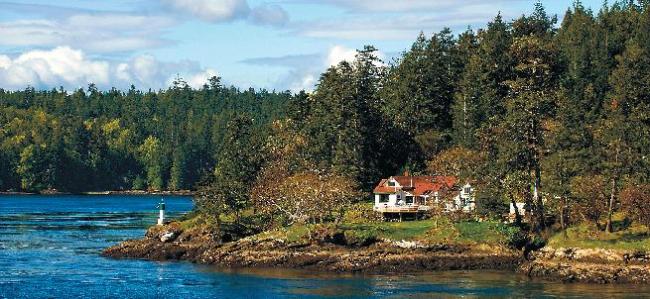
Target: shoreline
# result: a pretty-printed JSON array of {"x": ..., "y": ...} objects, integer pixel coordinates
[
  {"x": 570, "y": 265},
  {"x": 597, "y": 266},
  {"x": 113, "y": 192},
  {"x": 172, "y": 244}
]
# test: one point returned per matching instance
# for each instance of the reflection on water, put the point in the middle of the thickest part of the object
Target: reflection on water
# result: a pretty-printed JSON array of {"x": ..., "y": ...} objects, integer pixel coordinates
[{"x": 50, "y": 245}]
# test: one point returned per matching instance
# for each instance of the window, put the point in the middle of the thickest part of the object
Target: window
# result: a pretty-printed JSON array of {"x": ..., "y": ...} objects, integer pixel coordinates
[
  {"x": 467, "y": 190},
  {"x": 383, "y": 198},
  {"x": 391, "y": 183},
  {"x": 409, "y": 199}
]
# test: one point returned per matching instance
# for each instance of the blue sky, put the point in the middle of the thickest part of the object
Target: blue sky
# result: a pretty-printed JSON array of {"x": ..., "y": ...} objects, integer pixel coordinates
[{"x": 281, "y": 44}]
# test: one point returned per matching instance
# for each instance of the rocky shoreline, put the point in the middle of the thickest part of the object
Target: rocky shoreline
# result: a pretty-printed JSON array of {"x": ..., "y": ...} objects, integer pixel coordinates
[
  {"x": 170, "y": 242},
  {"x": 589, "y": 265}
]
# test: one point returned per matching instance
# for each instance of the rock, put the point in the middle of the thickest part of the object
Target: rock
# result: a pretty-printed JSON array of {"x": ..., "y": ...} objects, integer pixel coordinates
[
  {"x": 589, "y": 265},
  {"x": 168, "y": 236},
  {"x": 408, "y": 244},
  {"x": 164, "y": 233}
]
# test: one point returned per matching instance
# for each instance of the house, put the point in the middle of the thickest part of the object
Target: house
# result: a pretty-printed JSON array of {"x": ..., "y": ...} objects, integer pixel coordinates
[
  {"x": 464, "y": 201},
  {"x": 524, "y": 211},
  {"x": 408, "y": 196}
]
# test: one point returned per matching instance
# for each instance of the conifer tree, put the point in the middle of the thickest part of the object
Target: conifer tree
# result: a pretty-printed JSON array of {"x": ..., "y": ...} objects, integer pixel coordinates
[
  {"x": 531, "y": 99},
  {"x": 237, "y": 164},
  {"x": 151, "y": 156},
  {"x": 481, "y": 88}
]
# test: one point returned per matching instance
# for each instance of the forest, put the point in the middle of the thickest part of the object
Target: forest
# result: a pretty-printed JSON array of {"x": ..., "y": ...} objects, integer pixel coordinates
[{"x": 556, "y": 115}]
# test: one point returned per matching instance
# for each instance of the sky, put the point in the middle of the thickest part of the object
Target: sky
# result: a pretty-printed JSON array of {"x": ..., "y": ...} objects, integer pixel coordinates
[{"x": 276, "y": 45}]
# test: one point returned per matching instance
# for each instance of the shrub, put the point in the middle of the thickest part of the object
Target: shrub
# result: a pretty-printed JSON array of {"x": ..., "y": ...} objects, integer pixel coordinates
[
  {"x": 591, "y": 196},
  {"x": 360, "y": 213},
  {"x": 360, "y": 238},
  {"x": 325, "y": 233},
  {"x": 636, "y": 202},
  {"x": 515, "y": 236}
]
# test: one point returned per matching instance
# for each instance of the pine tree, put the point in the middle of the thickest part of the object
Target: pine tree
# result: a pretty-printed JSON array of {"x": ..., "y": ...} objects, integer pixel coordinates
[
  {"x": 177, "y": 172},
  {"x": 237, "y": 164},
  {"x": 531, "y": 99},
  {"x": 418, "y": 91},
  {"x": 481, "y": 88}
]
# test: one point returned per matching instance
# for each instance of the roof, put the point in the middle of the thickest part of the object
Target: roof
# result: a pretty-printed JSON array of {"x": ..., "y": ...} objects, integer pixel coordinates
[{"x": 416, "y": 185}]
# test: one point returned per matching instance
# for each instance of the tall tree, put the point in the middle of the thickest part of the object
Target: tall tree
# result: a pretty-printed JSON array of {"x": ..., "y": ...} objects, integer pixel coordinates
[
  {"x": 419, "y": 89},
  {"x": 237, "y": 164},
  {"x": 531, "y": 99},
  {"x": 151, "y": 156},
  {"x": 481, "y": 87}
]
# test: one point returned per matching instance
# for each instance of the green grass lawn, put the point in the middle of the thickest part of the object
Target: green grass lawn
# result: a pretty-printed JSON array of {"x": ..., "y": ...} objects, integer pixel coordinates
[
  {"x": 359, "y": 227},
  {"x": 429, "y": 231},
  {"x": 635, "y": 237}
]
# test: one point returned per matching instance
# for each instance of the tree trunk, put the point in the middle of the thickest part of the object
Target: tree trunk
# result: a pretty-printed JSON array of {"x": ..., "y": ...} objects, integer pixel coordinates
[
  {"x": 218, "y": 235},
  {"x": 563, "y": 213},
  {"x": 563, "y": 201},
  {"x": 529, "y": 206},
  {"x": 537, "y": 199},
  {"x": 517, "y": 214},
  {"x": 610, "y": 207},
  {"x": 612, "y": 195}
]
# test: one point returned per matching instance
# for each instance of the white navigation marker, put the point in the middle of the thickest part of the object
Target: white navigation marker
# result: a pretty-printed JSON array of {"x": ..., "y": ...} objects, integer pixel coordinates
[{"x": 161, "y": 216}]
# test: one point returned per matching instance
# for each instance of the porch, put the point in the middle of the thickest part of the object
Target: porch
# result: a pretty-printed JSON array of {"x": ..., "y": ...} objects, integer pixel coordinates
[{"x": 400, "y": 213}]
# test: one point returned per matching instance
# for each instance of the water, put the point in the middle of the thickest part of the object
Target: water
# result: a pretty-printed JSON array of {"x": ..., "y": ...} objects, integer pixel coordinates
[{"x": 50, "y": 246}]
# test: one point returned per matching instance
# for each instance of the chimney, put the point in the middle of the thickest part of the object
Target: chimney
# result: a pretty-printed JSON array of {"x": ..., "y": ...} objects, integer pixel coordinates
[{"x": 406, "y": 172}]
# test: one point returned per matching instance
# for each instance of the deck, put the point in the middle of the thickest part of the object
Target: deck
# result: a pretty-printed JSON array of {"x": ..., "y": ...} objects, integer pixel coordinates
[{"x": 402, "y": 209}]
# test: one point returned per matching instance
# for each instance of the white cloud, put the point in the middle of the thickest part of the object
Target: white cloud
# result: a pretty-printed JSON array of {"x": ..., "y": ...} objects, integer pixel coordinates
[
  {"x": 212, "y": 10},
  {"x": 58, "y": 66},
  {"x": 338, "y": 54},
  {"x": 71, "y": 68},
  {"x": 271, "y": 15},
  {"x": 405, "y": 5},
  {"x": 377, "y": 20},
  {"x": 303, "y": 71},
  {"x": 108, "y": 32},
  {"x": 197, "y": 80},
  {"x": 218, "y": 11}
]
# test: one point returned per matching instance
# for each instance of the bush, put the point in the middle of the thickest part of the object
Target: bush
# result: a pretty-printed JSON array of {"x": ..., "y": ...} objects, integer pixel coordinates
[
  {"x": 591, "y": 195},
  {"x": 489, "y": 203},
  {"x": 515, "y": 236},
  {"x": 361, "y": 238},
  {"x": 360, "y": 213},
  {"x": 635, "y": 201},
  {"x": 356, "y": 237},
  {"x": 327, "y": 234}
]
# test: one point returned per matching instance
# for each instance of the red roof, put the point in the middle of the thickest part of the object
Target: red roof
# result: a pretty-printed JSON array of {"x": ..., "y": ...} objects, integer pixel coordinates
[{"x": 416, "y": 185}]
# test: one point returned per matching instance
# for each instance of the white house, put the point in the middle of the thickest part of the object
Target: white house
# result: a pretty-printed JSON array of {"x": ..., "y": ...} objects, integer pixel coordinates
[
  {"x": 464, "y": 201},
  {"x": 399, "y": 196}
]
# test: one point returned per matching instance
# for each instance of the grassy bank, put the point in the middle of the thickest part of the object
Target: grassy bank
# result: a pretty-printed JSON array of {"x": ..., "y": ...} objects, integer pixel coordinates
[
  {"x": 431, "y": 231},
  {"x": 633, "y": 238}
]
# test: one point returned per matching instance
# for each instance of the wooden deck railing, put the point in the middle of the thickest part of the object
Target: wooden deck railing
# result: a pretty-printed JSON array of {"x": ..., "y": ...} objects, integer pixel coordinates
[{"x": 401, "y": 209}]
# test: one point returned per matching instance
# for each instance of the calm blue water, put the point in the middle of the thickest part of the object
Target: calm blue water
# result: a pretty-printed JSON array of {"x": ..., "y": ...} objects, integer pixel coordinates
[{"x": 50, "y": 245}]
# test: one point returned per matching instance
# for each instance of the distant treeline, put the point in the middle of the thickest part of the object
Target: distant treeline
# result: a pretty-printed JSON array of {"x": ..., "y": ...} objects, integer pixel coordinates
[
  {"x": 89, "y": 140},
  {"x": 525, "y": 109}
]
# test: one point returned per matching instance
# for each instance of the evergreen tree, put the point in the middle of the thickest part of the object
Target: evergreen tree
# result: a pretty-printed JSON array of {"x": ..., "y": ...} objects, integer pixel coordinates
[
  {"x": 419, "y": 89},
  {"x": 237, "y": 164},
  {"x": 530, "y": 101},
  {"x": 151, "y": 156},
  {"x": 481, "y": 88}
]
